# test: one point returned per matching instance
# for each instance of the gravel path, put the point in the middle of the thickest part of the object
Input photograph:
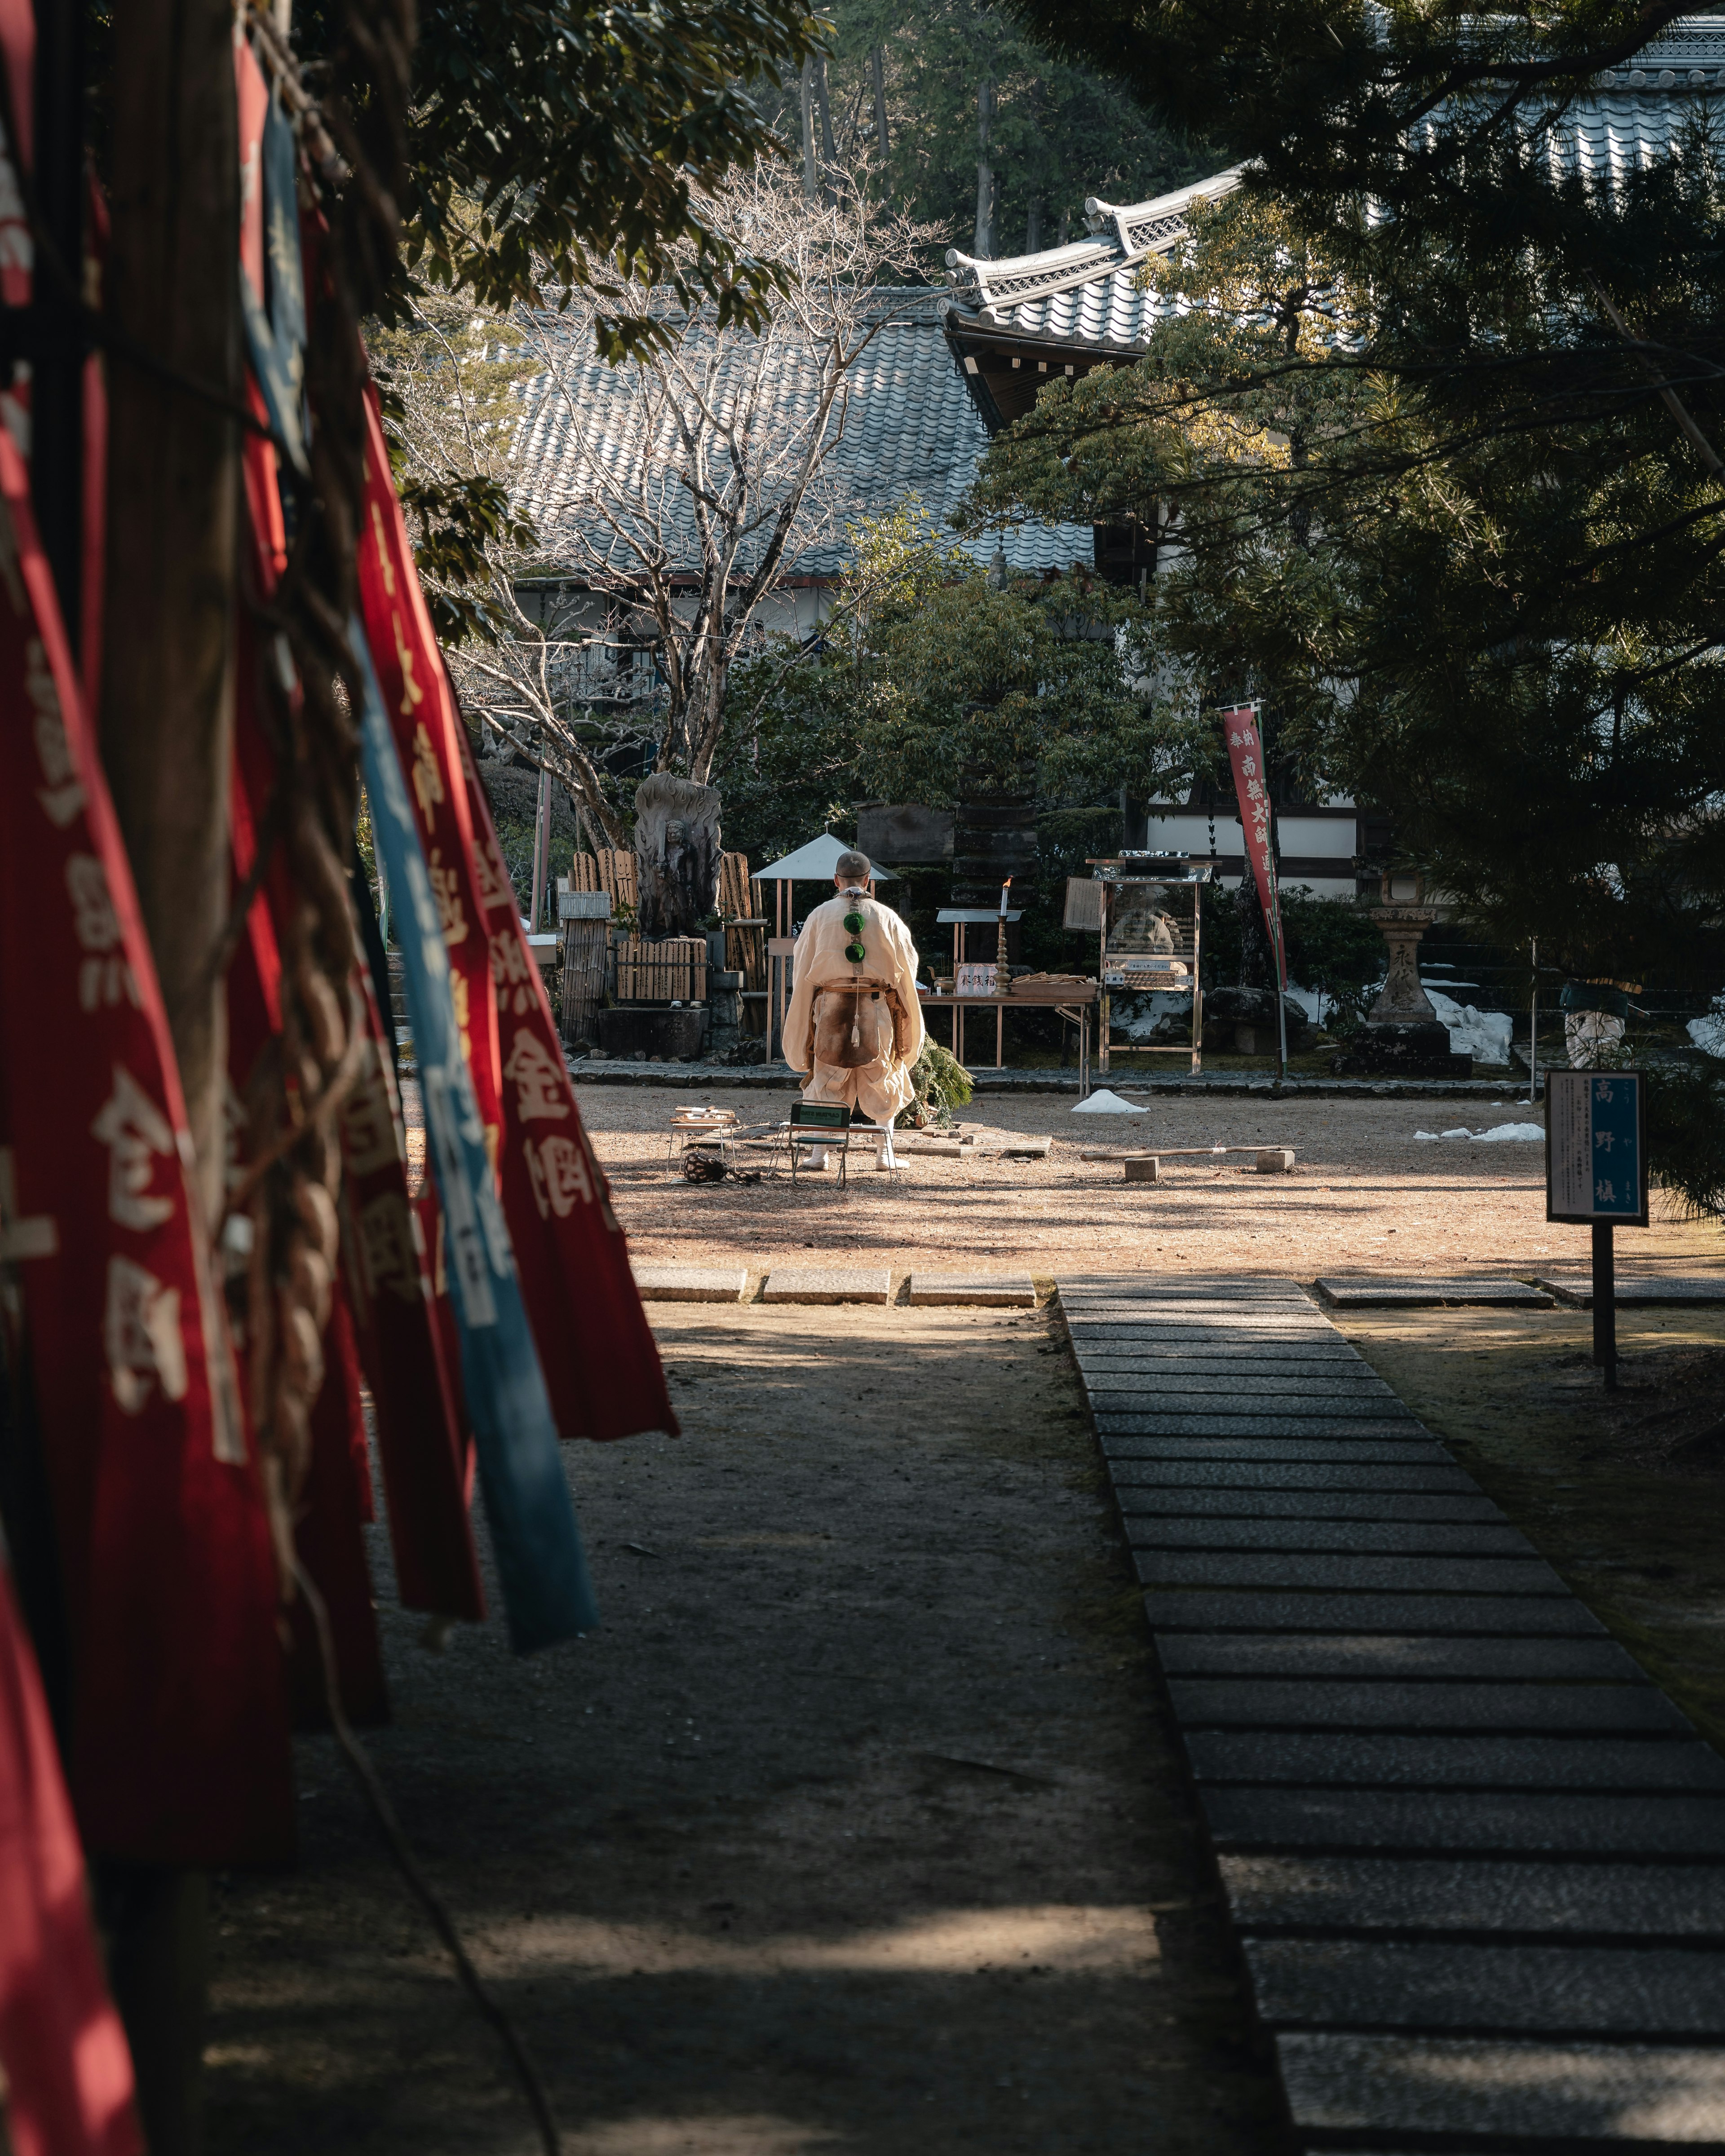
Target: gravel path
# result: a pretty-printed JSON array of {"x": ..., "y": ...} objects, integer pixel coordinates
[{"x": 857, "y": 1829}]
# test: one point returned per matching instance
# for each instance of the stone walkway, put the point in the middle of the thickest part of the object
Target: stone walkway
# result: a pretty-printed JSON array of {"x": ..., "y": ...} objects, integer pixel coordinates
[{"x": 1475, "y": 1857}]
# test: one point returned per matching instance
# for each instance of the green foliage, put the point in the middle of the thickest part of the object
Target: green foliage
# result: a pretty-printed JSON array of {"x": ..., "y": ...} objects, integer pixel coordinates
[
  {"x": 942, "y": 1084},
  {"x": 1059, "y": 132},
  {"x": 1333, "y": 946},
  {"x": 456, "y": 517},
  {"x": 1685, "y": 1134},
  {"x": 928, "y": 672},
  {"x": 1483, "y": 596},
  {"x": 585, "y": 138}
]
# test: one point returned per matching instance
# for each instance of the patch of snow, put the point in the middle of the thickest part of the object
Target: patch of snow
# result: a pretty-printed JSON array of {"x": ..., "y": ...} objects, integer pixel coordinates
[
  {"x": 1106, "y": 1103},
  {"x": 1484, "y": 1035},
  {"x": 1707, "y": 1032},
  {"x": 1143, "y": 1016},
  {"x": 1499, "y": 1133}
]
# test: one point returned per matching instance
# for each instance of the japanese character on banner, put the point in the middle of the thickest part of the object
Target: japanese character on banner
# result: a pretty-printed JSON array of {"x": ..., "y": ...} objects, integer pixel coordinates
[
  {"x": 428, "y": 779},
  {"x": 368, "y": 1123},
  {"x": 509, "y": 970},
  {"x": 1253, "y": 793},
  {"x": 104, "y": 978},
  {"x": 389, "y": 1246},
  {"x": 540, "y": 1085},
  {"x": 62, "y": 796},
  {"x": 142, "y": 1335},
  {"x": 136, "y": 1132},
  {"x": 446, "y": 890},
  {"x": 558, "y": 1168}
]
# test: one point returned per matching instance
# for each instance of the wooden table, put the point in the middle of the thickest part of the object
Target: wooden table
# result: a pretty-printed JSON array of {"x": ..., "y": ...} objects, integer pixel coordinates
[{"x": 1074, "y": 1004}]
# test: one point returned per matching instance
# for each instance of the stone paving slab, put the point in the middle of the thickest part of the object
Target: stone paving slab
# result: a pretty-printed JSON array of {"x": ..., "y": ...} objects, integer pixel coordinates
[
  {"x": 1406, "y": 1292},
  {"x": 1319, "y": 1509},
  {"x": 845, "y": 1284},
  {"x": 1282, "y": 1570},
  {"x": 972, "y": 1291},
  {"x": 1639, "y": 1292},
  {"x": 1363, "y": 1448},
  {"x": 1361, "y": 1394},
  {"x": 1315, "y": 1759},
  {"x": 691, "y": 1283},
  {"x": 1435, "y": 1895},
  {"x": 1265, "y": 1704},
  {"x": 1389, "y": 1702},
  {"x": 1404, "y": 1660},
  {"x": 1488, "y": 1823},
  {"x": 1315, "y": 1538},
  {"x": 1151, "y": 1362},
  {"x": 1491, "y": 1615},
  {"x": 1654, "y": 1993},
  {"x": 1339, "y": 1423},
  {"x": 1377, "y": 1469},
  {"x": 1565, "y": 2098}
]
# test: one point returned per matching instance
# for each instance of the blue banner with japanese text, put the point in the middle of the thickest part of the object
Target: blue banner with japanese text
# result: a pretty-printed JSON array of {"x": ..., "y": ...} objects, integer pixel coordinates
[{"x": 540, "y": 1563}]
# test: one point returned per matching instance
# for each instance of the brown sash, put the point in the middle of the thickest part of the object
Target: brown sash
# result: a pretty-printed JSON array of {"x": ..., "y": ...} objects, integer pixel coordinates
[{"x": 848, "y": 1017}]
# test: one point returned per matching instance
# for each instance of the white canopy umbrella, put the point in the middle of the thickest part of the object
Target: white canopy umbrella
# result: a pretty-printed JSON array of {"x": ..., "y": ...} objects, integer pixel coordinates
[{"x": 818, "y": 862}]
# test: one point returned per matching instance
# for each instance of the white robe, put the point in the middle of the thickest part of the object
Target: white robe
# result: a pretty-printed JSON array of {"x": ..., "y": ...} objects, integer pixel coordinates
[{"x": 882, "y": 1086}]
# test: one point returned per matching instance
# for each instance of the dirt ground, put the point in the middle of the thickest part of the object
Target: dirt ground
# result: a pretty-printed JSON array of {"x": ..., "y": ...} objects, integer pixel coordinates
[
  {"x": 858, "y": 1828},
  {"x": 1366, "y": 1194}
]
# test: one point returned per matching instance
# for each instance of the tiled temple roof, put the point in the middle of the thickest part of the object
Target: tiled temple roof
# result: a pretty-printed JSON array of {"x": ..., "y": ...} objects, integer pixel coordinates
[
  {"x": 910, "y": 429},
  {"x": 1088, "y": 294}
]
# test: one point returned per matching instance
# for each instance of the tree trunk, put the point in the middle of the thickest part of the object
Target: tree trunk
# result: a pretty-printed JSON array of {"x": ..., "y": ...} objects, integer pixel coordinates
[
  {"x": 167, "y": 686},
  {"x": 877, "y": 69},
  {"x": 676, "y": 855},
  {"x": 829, "y": 156},
  {"x": 811, "y": 188},
  {"x": 166, "y": 727},
  {"x": 983, "y": 246}
]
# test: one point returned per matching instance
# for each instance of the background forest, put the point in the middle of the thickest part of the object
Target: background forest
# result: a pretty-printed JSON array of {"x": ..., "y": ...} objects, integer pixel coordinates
[{"x": 986, "y": 132}]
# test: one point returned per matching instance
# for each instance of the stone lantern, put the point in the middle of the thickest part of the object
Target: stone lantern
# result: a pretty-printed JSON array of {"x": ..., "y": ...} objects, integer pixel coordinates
[{"x": 1403, "y": 1036}]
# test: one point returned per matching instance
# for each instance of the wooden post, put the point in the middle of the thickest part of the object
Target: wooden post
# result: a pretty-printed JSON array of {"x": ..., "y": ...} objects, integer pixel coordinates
[
  {"x": 167, "y": 709},
  {"x": 166, "y": 734},
  {"x": 1605, "y": 1303}
]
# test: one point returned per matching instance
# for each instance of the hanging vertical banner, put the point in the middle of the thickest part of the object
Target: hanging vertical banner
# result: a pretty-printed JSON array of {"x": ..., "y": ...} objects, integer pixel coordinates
[
  {"x": 421, "y": 719},
  {"x": 384, "y": 1257},
  {"x": 67, "y": 2072},
  {"x": 601, "y": 1363},
  {"x": 540, "y": 1561},
  {"x": 178, "y": 1750},
  {"x": 1246, "y": 754}
]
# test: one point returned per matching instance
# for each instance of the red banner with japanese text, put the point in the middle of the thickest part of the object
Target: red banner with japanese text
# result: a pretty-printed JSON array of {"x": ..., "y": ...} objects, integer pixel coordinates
[
  {"x": 594, "y": 1341},
  {"x": 386, "y": 1276},
  {"x": 601, "y": 1367},
  {"x": 1246, "y": 754},
  {"x": 178, "y": 1750}
]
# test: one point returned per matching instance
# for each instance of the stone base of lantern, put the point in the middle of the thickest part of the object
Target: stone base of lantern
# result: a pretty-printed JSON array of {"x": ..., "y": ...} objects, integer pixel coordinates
[{"x": 1411, "y": 1048}]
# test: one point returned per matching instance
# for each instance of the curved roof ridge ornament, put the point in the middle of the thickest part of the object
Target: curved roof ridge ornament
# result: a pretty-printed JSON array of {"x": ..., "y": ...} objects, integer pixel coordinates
[{"x": 1121, "y": 234}]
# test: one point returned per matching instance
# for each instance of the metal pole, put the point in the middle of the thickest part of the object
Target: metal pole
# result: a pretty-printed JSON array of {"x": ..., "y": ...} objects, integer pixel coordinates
[
  {"x": 1604, "y": 1304},
  {"x": 1533, "y": 1031},
  {"x": 1104, "y": 1008},
  {"x": 541, "y": 832}
]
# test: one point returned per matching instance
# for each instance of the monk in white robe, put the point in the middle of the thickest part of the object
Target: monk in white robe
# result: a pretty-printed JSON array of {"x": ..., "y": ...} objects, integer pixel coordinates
[{"x": 854, "y": 1023}]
